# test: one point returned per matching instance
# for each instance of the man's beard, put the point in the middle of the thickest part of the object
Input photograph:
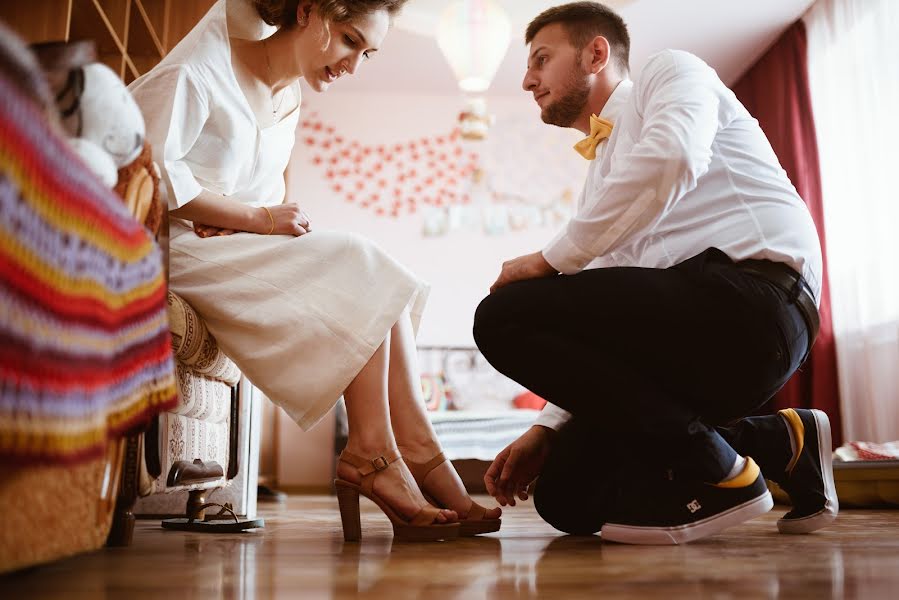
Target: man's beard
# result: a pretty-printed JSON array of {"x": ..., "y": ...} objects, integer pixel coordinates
[{"x": 564, "y": 111}]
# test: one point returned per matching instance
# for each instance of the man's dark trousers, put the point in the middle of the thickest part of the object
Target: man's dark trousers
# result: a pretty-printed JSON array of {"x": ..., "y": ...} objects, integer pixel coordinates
[{"x": 652, "y": 363}]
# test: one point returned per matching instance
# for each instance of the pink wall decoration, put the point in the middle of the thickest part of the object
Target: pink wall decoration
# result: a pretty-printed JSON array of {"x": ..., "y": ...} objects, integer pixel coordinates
[
  {"x": 391, "y": 180},
  {"x": 517, "y": 177}
]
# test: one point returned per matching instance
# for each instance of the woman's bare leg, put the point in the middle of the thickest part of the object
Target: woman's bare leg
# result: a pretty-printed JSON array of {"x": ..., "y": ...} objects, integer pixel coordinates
[
  {"x": 414, "y": 435},
  {"x": 371, "y": 435}
]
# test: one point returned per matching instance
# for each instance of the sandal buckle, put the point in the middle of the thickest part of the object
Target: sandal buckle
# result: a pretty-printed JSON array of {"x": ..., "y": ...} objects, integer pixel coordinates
[{"x": 380, "y": 463}]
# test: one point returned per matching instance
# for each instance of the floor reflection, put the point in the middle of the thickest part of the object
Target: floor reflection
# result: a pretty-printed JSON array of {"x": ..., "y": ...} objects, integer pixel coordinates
[
  {"x": 572, "y": 566},
  {"x": 301, "y": 554},
  {"x": 380, "y": 568}
]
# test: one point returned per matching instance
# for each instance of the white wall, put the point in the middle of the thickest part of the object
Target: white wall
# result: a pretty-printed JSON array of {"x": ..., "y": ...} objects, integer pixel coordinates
[{"x": 522, "y": 155}]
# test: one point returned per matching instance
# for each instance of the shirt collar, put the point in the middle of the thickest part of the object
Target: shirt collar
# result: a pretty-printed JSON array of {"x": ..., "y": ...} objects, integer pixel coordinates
[{"x": 614, "y": 104}]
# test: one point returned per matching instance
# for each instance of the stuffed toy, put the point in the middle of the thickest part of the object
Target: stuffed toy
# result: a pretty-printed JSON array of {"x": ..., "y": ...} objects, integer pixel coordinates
[
  {"x": 104, "y": 125},
  {"x": 138, "y": 186},
  {"x": 103, "y": 121}
]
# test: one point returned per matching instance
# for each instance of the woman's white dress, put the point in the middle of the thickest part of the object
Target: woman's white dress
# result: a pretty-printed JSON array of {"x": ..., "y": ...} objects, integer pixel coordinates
[{"x": 299, "y": 316}]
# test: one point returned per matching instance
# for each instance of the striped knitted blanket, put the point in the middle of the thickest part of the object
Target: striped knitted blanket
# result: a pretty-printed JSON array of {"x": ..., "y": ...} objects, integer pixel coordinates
[{"x": 85, "y": 351}]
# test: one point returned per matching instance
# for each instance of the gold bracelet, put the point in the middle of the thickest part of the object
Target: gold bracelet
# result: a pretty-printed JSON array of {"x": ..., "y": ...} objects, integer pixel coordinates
[{"x": 271, "y": 218}]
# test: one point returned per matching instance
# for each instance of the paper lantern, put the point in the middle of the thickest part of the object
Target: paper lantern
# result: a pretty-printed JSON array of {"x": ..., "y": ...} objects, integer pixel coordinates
[{"x": 474, "y": 37}]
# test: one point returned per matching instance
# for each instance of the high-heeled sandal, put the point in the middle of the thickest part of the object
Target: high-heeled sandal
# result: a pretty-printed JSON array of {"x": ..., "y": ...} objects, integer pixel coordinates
[
  {"x": 419, "y": 528},
  {"x": 476, "y": 522}
]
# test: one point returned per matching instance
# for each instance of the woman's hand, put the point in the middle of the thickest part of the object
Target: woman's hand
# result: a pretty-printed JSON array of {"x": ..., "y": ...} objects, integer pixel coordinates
[
  {"x": 235, "y": 217},
  {"x": 205, "y": 231},
  {"x": 286, "y": 219},
  {"x": 214, "y": 215}
]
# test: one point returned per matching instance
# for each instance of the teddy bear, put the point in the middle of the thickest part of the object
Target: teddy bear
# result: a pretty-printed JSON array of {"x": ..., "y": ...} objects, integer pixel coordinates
[
  {"x": 105, "y": 126},
  {"x": 104, "y": 123}
]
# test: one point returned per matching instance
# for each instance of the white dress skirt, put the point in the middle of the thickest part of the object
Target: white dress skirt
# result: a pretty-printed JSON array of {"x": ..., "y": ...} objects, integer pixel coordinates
[{"x": 301, "y": 315}]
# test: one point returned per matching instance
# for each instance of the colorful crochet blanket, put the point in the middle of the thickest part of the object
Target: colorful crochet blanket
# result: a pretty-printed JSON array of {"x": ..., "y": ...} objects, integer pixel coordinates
[{"x": 85, "y": 349}]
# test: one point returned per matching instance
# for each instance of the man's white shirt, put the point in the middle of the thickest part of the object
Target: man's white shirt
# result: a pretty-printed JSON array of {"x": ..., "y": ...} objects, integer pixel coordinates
[{"x": 686, "y": 168}]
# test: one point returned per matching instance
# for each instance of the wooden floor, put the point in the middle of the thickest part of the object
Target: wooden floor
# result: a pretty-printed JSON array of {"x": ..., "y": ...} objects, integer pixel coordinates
[{"x": 301, "y": 554}]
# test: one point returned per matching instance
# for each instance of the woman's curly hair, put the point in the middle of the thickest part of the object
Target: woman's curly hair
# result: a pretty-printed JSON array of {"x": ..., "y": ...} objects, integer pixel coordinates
[{"x": 282, "y": 13}]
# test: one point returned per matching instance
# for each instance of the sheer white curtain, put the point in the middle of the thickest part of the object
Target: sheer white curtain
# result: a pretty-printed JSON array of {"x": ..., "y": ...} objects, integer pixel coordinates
[{"x": 853, "y": 52}]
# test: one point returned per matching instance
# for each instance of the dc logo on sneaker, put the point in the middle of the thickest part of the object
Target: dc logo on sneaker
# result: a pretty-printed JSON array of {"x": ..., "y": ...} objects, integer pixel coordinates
[{"x": 694, "y": 506}]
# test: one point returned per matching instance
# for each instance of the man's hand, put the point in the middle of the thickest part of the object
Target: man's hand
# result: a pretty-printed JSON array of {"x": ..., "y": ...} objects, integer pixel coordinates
[
  {"x": 518, "y": 465},
  {"x": 529, "y": 266}
]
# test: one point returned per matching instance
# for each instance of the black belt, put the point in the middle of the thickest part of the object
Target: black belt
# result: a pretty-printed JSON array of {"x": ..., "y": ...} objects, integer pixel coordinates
[{"x": 794, "y": 286}]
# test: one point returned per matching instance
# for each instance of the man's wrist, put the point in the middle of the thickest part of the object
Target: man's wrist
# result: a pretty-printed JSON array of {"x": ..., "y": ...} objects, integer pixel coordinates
[
  {"x": 546, "y": 267},
  {"x": 544, "y": 431},
  {"x": 564, "y": 256}
]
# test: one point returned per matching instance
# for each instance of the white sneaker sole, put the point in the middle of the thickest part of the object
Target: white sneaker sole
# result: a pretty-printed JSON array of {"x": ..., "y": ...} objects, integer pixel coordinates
[
  {"x": 826, "y": 515},
  {"x": 670, "y": 536}
]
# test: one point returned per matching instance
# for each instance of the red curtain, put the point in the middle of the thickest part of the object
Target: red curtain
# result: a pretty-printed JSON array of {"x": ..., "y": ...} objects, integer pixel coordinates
[{"x": 776, "y": 92}]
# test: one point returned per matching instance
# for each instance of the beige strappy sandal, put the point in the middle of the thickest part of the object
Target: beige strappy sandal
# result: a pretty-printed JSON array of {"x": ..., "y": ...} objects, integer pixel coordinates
[
  {"x": 476, "y": 522},
  {"x": 420, "y": 528}
]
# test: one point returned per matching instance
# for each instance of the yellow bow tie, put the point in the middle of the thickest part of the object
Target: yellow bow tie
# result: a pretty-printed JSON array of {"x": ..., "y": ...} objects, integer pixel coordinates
[{"x": 600, "y": 129}]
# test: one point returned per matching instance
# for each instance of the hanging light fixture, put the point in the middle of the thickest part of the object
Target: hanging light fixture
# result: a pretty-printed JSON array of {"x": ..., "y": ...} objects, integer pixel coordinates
[{"x": 474, "y": 37}]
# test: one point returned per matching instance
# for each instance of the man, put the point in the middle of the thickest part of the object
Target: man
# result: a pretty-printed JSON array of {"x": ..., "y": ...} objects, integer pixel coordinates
[{"x": 681, "y": 296}]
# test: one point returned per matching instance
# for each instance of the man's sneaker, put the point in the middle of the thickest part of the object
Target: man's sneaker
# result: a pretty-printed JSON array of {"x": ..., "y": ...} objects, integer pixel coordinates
[
  {"x": 808, "y": 478},
  {"x": 683, "y": 511}
]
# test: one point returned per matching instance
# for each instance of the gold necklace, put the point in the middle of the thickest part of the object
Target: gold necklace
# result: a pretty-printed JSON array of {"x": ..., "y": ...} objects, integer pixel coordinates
[{"x": 271, "y": 78}]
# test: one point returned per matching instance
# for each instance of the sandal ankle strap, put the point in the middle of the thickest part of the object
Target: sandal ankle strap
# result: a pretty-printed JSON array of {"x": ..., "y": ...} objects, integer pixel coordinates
[{"x": 369, "y": 467}]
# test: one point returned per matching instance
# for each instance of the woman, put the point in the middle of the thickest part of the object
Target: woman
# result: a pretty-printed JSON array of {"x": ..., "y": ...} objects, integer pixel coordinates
[{"x": 306, "y": 316}]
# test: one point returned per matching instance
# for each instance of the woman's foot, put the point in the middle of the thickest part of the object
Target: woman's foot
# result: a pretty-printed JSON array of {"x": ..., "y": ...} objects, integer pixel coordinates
[
  {"x": 394, "y": 485},
  {"x": 442, "y": 482}
]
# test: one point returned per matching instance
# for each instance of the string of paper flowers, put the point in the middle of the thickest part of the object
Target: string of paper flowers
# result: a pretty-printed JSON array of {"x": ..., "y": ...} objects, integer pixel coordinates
[
  {"x": 391, "y": 180},
  {"x": 511, "y": 181}
]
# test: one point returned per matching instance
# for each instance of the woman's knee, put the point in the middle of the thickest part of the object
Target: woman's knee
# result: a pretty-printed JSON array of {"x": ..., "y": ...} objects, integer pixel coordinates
[
  {"x": 342, "y": 245},
  {"x": 358, "y": 243}
]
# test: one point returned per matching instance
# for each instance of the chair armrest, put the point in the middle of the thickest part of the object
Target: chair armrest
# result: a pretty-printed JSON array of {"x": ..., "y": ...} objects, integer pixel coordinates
[{"x": 194, "y": 346}]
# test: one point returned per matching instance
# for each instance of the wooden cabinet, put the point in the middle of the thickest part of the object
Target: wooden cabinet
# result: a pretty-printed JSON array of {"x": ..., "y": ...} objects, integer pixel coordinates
[{"x": 131, "y": 35}]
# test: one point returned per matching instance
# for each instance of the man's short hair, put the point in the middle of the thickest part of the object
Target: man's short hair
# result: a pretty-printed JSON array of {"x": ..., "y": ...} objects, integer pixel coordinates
[{"x": 583, "y": 21}]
